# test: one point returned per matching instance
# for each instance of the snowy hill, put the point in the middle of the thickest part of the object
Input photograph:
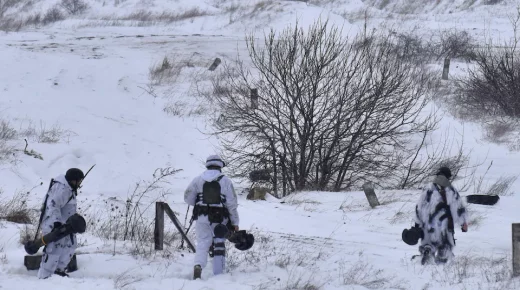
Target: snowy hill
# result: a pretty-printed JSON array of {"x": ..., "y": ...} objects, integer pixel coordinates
[{"x": 81, "y": 89}]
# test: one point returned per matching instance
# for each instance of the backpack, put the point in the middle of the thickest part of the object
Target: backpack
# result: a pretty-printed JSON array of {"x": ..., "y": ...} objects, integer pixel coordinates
[{"x": 211, "y": 192}]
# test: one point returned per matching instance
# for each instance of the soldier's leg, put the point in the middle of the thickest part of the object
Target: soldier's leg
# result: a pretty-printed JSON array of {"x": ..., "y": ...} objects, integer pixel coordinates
[
  {"x": 69, "y": 246},
  {"x": 219, "y": 256},
  {"x": 427, "y": 247},
  {"x": 445, "y": 251},
  {"x": 50, "y": 260},
  {"x": 204, "y": 233}
]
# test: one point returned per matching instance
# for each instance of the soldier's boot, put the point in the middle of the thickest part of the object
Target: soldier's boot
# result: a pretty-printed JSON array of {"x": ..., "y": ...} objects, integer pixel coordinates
[{"x": 197, "y": 272}]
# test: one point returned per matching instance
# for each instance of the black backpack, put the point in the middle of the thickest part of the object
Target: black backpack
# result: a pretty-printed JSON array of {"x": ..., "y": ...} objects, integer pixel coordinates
[{"x": 211, "y": 192}]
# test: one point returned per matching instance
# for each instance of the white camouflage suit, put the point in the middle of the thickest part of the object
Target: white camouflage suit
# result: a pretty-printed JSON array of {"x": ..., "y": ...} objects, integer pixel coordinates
[
  {"x": 61, "y": 204},
  {"x": 204, "y": 230},
  {"x": 432, "y": 217}
]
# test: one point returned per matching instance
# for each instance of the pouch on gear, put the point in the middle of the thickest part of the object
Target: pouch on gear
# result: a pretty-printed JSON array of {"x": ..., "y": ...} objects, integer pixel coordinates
[
  {"x": 216, "y": 214},
  {"x": 211, "y": 192}
]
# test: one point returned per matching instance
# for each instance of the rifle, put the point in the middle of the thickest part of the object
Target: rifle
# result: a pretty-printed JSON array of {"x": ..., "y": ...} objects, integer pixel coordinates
[
  {"x": 187, "y": 230},
  {"x": 79, "y": 185}
]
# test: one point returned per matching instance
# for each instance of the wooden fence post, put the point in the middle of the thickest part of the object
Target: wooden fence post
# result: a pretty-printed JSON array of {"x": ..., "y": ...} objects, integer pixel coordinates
[
  {"x": 516, "y": 249},
  {"x": 446, "y": 69},
  {"x": 159, "y": 226},
  {"x": 177, "y": 224},
  {"x": 215, "y": 64},
  {"x": 370, "y": 194},
  {"x": 254, "y": 99}
]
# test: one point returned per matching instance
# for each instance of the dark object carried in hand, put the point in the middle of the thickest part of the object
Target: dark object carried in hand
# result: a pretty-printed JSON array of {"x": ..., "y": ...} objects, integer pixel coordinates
[
  {"x": 411, "y": 236},
  {"x": 482, "y": 199},
  {"x": 242, "y": 240},
  {"x": 75, "y": 224}
]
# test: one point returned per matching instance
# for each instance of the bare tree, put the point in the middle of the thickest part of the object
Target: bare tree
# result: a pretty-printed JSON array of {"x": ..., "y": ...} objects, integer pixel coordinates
[
  {"x": 5, "y": 5},
  {"x": 424, "y": 159},
  {"x": 452, "y": 43},
  {"x": 74, "y": 7},
  {"x": 492, "y": 88},
  {"x": 331, "y": 112}
]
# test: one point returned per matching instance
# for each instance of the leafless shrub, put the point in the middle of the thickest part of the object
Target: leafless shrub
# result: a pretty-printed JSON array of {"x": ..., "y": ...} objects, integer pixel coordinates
[
  {"x": 283, "y": 261},
  {"x": 16, "y": 22},
  {"x": 453, "y": 44},
  {"x": 126, "y": 278},
  {"x": 298, "y": 200},
  {"x": 363, "y": 274},
  {"x": 284, "y": 252},
  {"x": 490, "y": 270},
  {"x": 51, "y": 135},
  {"x": 502, "y": 186},
  {"x": 301, "y": 280},
  {"x": 409, "y": 46},
  {"x": 389, "y": 198},
  {"x": 165, "y": 17},
  {"x": 5, "y": 5},
  {"x": 7, "y": 132},
  {"x": 399, "y": 217},
  {"x": 326, "y": 127},
  {"x": 492, "y": 2},
  {"x": 175, "y": 108},
  {"x": 165, "y": 72},
  {"x": 52, "y": 15},
  {"x": 34, "y": 20},
  {"x": 16, "y": 209},
  {"x": 424, "y": 159},
  {"x": 492, "y": 88},
  {"x": 497, "y": 130},
  {"x": 54, "y": 134},
  {"x": 7, "y": 151},
  {"x": 133, "y": 220},
  {"x": 475, "y": 219},
  {"x": 3, "y": 256},
  {"x": 10, "y": 24},
  {"x": 74, "y": 7}
]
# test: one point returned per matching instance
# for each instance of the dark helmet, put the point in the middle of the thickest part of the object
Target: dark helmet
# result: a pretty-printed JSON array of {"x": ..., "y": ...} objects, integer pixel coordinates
[
  {"x": 412, "y": 236},
  {"x": 74, "y": 174},
  {"x": 444, "y": 171},
  {"x": 242, "y": 240}
]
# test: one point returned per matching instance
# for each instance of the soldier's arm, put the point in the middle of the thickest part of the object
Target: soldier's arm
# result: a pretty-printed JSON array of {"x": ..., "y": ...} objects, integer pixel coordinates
[
  {"x": 190, "y": 194},
  {"x": 231, "y": 201},
  {"x": 461, "y": 212}
]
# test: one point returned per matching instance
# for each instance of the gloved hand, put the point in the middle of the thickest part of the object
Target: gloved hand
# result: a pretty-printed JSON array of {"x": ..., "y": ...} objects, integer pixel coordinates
[
  {"x": 464, "y": 227},
  {"x": 56, "y": 226}
]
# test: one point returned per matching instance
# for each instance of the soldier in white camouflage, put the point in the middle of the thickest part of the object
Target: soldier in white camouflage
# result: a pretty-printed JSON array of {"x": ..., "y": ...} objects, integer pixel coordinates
[
  {"x": 60, "y": 203},
  {"x": 215, "y": 204}
]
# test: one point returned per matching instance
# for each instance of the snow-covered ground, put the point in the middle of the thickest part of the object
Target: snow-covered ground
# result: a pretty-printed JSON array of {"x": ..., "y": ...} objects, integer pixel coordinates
[{"x": 78, "y": 90}]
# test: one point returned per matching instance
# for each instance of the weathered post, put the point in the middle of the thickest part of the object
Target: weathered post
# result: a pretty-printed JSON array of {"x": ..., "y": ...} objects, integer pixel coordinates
[
  {"x": 215, "y": 64},
  {"x": 446, "y": 69},
  {"x": 370, "y": 194},
  {"x": 516, "y": 249},
  {"x": 159, "y": 226},
  {"x": 254, "y": 99}
]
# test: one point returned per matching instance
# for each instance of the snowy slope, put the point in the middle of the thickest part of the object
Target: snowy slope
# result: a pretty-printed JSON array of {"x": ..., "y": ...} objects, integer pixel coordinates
[{"x": 86, "y": 79}]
